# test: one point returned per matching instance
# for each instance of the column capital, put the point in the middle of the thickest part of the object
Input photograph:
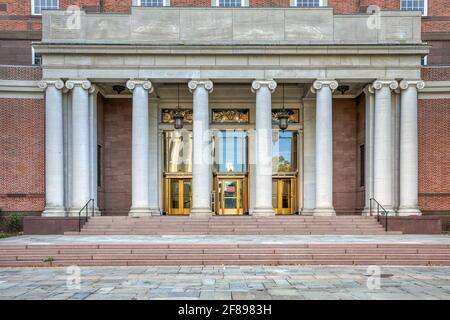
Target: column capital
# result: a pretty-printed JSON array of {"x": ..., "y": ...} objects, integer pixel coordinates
[
  {"x": 85, "y": 84},
  {"x": 368, "y": 89},
  {"x": 319, "y": 84},
  {"x": 207, "y": 84},
  {"x": 146, "y": 84},
  {"x": 378, "y": 84},
  {"x": 94, "y": 89},
  {"x": 57, "y": 83},
  {"x": 419, "y": 84},
  {"x": 257, "y": 84}
]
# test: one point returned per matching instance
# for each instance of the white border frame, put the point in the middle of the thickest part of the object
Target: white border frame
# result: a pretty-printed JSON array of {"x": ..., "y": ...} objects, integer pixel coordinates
[
  {"x": 322, "y": 3},
  {"x": 425, "y": 8},
  {"x": 40, "y": 14},
  {"x": 166, "y": 3}
]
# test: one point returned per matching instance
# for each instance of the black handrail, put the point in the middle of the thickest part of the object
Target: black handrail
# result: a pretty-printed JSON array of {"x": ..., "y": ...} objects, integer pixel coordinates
[
  {"x": 86, "y": 207},
  {"x": 384, "y": 211}
]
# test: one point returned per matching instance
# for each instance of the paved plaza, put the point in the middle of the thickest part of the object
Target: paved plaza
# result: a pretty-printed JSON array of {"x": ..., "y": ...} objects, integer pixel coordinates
[{"x": 225, "y": 283}]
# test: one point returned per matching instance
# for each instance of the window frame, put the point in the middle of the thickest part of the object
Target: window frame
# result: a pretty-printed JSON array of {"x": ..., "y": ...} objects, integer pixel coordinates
[
  {"x": 216, "y": 3},
  {"x": 425, "y": 8},
  {"x": 33, "y": 13},
  {"x": 33, "y": 57},
  {"x": 322, "y": 3},
  {"x": 138, "y": 3}
]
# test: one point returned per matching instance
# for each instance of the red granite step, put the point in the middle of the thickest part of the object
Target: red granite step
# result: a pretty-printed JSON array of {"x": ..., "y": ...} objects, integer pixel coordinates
[{"x": 224, "y": 254}]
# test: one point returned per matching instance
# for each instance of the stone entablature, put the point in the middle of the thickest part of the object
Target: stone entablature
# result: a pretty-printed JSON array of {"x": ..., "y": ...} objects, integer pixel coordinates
[{"x": 224, "y": 26}]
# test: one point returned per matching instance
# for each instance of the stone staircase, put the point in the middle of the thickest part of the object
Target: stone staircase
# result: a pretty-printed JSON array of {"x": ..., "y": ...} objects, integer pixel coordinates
[
  {"x": 233, "y": 225},
  {"x": 57, "y": 255}
]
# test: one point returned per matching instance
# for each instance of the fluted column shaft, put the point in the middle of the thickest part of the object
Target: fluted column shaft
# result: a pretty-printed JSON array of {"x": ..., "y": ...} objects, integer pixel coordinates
[
  {"x": 382, "y": 158},
  {"x": 369, "y": 145},
  {"x": 409, "y": 148},
  {"x": 140, "y": 148},
  {"x": 54, "y": 148},
  {"x": 263, "y": 154},
  {"x": 80, "y": 144},
  {"x": 324, "y": 147},
  {"x": 201, "y": 188}
]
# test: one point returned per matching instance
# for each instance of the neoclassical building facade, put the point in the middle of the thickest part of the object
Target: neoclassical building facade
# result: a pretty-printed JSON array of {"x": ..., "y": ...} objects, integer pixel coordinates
[{"x": 231, "y": 111}]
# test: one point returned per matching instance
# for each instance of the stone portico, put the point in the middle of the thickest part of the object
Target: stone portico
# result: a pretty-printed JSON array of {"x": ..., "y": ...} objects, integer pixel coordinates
[{"x": 232, "y": 58}]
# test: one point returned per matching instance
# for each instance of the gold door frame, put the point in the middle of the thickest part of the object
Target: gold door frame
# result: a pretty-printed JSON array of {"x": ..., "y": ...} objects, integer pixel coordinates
[
  {"x": 181, "y": 210},
  {"x": 292, "y": 203},
  {"x": 241, "y": 188}
]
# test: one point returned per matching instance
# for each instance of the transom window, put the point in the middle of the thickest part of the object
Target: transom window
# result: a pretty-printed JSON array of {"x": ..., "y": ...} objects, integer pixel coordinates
[
  {"x": 229, "y": 3},
  {"x": 38, "y": 5},
  {"x": 151, "y": 3},
  {"x": 309, "y": 3},
  {"x": 414, "y": 5}
]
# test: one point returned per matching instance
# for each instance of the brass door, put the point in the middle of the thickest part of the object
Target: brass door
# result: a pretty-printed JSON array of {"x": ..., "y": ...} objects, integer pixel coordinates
[
  {"x": 231, "y": 196},
  {"x": 179, "y": 196},
  {"x": 283, "y": 195}
]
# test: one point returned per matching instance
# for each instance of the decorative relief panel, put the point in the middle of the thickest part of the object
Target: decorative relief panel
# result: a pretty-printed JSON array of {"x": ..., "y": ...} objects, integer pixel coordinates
[
  {"x": 230, "y": 116},
  {"x": 168, "y": 114},
  {"x": 294, "y": 116}
]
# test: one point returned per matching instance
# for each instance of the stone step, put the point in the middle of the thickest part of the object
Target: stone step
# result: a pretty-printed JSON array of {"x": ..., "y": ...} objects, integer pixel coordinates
[{"x": 224, "y": 254}]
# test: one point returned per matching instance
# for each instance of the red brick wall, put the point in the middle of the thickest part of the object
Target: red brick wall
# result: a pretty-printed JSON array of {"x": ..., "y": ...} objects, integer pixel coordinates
[
  {"x": 345, "y": 157},
  {"x": 117, "y": 156},
  {"x": 434, "y": 155},
  {"x": 22, "y": 155}
]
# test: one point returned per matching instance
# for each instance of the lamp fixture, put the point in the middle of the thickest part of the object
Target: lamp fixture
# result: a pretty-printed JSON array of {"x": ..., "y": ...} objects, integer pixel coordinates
[
  {"x": 118, "y": 88},
  {"x": 283, "y": 117},
  {"x": 178, "y": 116},
  {"x": 343, "y": 89}
]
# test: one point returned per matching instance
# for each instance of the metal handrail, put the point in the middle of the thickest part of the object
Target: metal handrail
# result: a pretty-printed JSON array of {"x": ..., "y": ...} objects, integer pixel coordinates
[
  {"x": 384, "y": 211},
  {"x": 86, "y": 207}
]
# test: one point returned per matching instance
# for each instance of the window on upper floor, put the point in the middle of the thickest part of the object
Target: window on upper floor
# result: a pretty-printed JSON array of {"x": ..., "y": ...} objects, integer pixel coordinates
[
  {"x": 309, "y": 3},
  {"x": 229, "y": 3},
  {"x": 35, "y": 59},
  {"x": 152, "y": 3},
  {"x": 414, "y": 5},
  {"x": 38, "y": 5}
]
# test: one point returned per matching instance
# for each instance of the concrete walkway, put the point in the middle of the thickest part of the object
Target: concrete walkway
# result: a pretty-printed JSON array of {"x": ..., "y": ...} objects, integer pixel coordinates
[
  {"x": 226, "y": 283},
  {"x": 223, "y": 239}
]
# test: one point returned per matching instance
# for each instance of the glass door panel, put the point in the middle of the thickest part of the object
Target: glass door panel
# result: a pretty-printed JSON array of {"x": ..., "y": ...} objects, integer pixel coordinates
[
  {"x": 179, "y": 196},
  {"x": 283, "y": 195},
  {"x": 230, "y": 193}
]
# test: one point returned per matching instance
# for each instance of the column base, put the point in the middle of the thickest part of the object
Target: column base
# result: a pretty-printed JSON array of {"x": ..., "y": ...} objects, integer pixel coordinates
[
  {"x": 366, "y": 212},
  {"x": 307, "y": 212},
  {"x": 143, "y": 212},
  {"x": 404, "y": 212},
  {"x": 73, "y": 212},
  {"x": 54, "y": 212},
  {"x": 201, "y": 213},
  {"x": 263, "y": 212},
  {"x": 324, "y": 212}
]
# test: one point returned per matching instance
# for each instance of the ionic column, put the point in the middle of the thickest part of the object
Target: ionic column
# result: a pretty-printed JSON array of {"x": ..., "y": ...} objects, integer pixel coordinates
[
  {"x": 80, "y": 144},
  {"x": 369, "y": 147},
  {"x": 140, "y": 205},
  {"x": 382, "y": 158},
  {"x": 54, "y": 149},
  {"x": 263, "y": 151},
  {"x": 309, "y": 156},
  {"x": 201, "y": 188},
  {"x": 93, "y": 91},
  {"x": 409, "y": 148},
  {"x": 324, "y": 146}
]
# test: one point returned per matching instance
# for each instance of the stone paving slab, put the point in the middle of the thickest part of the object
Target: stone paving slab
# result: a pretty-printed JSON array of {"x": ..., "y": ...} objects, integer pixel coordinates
[
  {"x": 226, "y": 239},
  {"x": 242, "y": 282}
]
